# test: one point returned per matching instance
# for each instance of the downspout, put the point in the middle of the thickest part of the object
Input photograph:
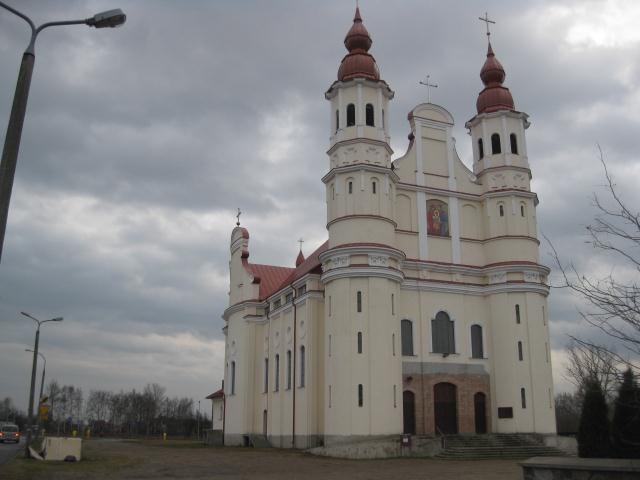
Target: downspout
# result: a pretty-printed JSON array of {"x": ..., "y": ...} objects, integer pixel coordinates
[
  {"x": 293, "y": 380},
  {"x": 224, "y": 410}
]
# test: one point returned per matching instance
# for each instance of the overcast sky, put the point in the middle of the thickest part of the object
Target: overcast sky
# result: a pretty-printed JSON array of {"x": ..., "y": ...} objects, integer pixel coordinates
[{"x": 140, "y": 143}]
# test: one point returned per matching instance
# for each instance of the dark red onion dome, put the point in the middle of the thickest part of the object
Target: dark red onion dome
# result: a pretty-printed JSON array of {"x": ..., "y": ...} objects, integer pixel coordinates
[
  {"x": 494, "y": 97},
  {"x": 358, "y": 63},
  {"x": 300, "y": 259}
]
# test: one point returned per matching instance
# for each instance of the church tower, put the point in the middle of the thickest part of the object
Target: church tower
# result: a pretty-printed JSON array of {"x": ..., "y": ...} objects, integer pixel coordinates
[
  {"x": 361, "y": 267},
  {"x": 519, "y": 315}
]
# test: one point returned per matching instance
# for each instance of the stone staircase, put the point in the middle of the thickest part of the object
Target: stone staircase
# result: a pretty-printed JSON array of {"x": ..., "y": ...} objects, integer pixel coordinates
[{"x": 498, "y": 445}]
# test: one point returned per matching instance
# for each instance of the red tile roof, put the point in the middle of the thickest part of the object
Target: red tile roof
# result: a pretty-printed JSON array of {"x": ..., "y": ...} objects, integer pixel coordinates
[
  {"x": 216, "y": 394},
  {"x": 272, "y": 279}
]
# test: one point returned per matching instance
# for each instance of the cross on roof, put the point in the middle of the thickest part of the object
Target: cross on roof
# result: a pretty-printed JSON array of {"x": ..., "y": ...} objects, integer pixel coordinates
[
  {"x": 486, "y": 20},
  {"x": 429, "y": 86},
  {"x": 300, "y": 241},
  {"x": 238, "y": 217}
]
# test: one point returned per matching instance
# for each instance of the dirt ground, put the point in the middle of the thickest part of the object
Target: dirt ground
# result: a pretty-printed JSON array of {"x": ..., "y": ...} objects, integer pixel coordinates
[{"x": 122, "y": 459}]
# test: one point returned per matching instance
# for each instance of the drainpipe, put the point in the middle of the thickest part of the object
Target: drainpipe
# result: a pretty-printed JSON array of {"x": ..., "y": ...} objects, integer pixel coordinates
[
  {"x": 224, "y": 410},
  {"x": 293, "y": 380}
]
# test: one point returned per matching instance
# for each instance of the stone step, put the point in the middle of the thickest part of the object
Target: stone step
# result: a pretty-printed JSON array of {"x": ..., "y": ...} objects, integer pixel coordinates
[{"x": 259, "y": 441}]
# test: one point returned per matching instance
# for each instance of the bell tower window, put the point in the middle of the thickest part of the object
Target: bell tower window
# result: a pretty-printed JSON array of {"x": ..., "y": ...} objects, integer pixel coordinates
[
  {"x": 337, "y": 120},
  {"x": 514, "y": 143},
  {"x": 480, "y": 149},
  {"x": 495, "y": 144},
  {"x": 351, "y": 115},
  {"x": 369, "y": 115}
]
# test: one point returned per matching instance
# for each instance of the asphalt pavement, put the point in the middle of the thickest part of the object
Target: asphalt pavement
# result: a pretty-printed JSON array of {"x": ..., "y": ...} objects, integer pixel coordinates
[{"x": 9, "y": 450}]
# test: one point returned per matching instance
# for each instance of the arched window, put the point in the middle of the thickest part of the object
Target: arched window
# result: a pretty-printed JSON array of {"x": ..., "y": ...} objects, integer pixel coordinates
[
  {"x": 480, "y": 149},
  {"x": 233, "y": 378},
  {"x": 495, "y": 144},
  {"x": 288, "y": 369},
  {"x": 383, "y": 124},
  {"x": 302, "y": 365},
  {"x": 406, "y": 335},
  {"x": 442, "y": 334},
  {"x": 337, "y": 120},
  {"x": 369, "y": 115},
  {"x": 359, "y": 302},
  {"x": 522, "y": 210},
  {"x": 266, "y": 375},
  {"x": 393, "y": 344},
  {"x": 476, "y": 342},
  {"x": 277, "y": 374},
  {"x": 360, "y": 395},
  {"x": 350, "y": 187},
  {"x": 373, "y": 187},
  {"x": 501, "y": 208},
  {"x": 351, "y": 115},
  {"x": 520, "y": 355},
  {"x": 523, "y": 398},
  {"x": 514, "y": 143},
  {"x": 359, "y": 342},
  {"x": 517, "y": 313}
]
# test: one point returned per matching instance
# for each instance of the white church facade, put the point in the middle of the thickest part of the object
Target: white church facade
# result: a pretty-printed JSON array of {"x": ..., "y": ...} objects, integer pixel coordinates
[{"x": 425, "y": 312}]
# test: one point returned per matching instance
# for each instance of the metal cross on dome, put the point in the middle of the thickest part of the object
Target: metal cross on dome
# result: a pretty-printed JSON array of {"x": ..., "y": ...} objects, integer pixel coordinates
[
  {"x": 429, "y": 86},
  {"x": 238, "y": 217},
  {"x": 486, "y": 20}
]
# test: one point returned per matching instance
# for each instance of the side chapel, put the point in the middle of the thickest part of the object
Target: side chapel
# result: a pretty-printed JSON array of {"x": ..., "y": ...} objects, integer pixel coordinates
[{"x": 425, "y": 311}]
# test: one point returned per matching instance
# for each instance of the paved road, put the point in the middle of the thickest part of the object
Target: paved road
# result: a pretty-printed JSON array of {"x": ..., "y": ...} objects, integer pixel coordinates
[{"x": 9, "y": 450}]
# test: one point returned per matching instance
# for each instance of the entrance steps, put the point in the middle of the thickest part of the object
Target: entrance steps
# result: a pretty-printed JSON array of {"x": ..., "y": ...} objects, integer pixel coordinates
[
  {"x": 497, "y": 445},
  {"x": 259, "y": 441}
]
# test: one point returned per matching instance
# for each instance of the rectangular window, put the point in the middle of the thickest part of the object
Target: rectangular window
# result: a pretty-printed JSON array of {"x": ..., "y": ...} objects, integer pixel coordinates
[
  {"x": 359, "y": 302},
  {"x": 373, "y": 187},
  {"x": 302, "y": 290},
  {"x": 544, "y": 316},
  {"x": 395, "y": 404},
  {"x": 277, "y": 304},
  {"x": 393, "y": 307},
  {"x": 393, "y": 344},
  {"x": 329, "y": 396},
  {"x": 360, "y": 395},
  {"x": 277, "y": 374},
  {"x": 288, "y": 369},
  {"x": 266, "y": 375},
  {"x": 520, "y": 355},
  {"x": 329, "y": 305},
  {"x": 517, "y": 313},
  {"x": 329, "y": 345},
  {"x": 289, "y": 297},
  {"x": 523, "y": 398},
  {"x": 359, "y": 342},
  {"x": 302, "y": 366}
]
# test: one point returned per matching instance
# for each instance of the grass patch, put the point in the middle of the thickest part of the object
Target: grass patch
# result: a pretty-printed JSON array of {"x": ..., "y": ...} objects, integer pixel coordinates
[{"x": 174, "y": 443}]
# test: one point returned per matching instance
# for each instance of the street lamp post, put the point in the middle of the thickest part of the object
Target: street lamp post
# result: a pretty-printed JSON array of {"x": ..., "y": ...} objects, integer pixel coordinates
[
  {"x": 111, "y": 18},
  {"x": 44, "y": 369},
  {"x": 33, "y": 374}
]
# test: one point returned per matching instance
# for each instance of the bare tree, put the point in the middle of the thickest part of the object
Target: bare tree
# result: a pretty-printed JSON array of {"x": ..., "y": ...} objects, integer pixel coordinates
[
  {"x": 586, "y": 361},
  {"x": 613, "y": 302}
]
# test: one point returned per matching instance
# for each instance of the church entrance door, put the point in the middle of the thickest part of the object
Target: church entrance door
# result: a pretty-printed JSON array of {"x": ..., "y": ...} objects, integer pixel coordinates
[
  {"x": 445, "y": 408},
  {"x": 409, "y": 412},
  {"x": 479, "y": 406}
]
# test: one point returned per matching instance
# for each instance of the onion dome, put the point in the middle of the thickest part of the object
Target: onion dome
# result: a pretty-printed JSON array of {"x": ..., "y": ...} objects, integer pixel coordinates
[
  {"x": 300, "y": 259},
  {"x": 494, "y": 97},
  {"x": 358, "y": 63}
]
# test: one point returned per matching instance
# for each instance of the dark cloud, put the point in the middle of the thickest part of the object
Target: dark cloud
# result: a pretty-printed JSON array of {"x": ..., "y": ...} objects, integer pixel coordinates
[{"x": 140, "y": 143}]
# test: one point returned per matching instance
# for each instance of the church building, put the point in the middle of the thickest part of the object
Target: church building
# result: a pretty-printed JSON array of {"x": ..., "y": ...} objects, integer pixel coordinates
[{"x": 425, "y": 311}]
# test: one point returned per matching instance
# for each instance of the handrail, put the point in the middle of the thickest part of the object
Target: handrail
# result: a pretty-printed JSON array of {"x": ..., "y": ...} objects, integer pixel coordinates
[{"x": 443, "y": 437}]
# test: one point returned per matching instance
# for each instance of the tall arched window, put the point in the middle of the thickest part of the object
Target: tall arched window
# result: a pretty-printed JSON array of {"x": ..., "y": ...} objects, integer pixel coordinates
[
  {"x": 360, "y": 395},
  {"x": 266, "y": 375},
  {"x": 337, "y": 120},
  {"x": 495, "y": 144},
  {"x": 480, "y": 149},
  {"x": 476, "y": 342},
  {"x": 442, "y": 334},
  {"x": 288, "y": 369},
  {"x": 520, "y": 354},
  {"x": 523, "y": 398},
  {"x": 517, "y": 313},
  {"x": 359, "y": 342},
  {"x": 359, "y": 302},
  {"x": 351, "y": 115},
  {"x": 501, "y": 209},
  {"x": 302, "y": 366},
  {"x": 233, "y": 378},
  {"x": 277, "y": 374},
  {"x": 350, "y": 187},
  {"x": 369, "y": 115},
  {"x": 406, "y": 335},
  {"x": 514, "y": 143},
  {"x": 373, "y": 187}
]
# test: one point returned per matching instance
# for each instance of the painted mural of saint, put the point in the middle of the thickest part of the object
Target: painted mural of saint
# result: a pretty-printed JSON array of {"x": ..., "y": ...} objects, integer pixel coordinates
[{"x": 437, "y": 218}]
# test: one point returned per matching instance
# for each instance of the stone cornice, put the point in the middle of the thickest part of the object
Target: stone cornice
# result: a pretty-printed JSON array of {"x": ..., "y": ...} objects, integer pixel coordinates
[
  {"x": 362, "y": 249},
  {"x": 466, "y": 196},
  {"x": 500, "y": 113},
  {"x": 338, "y": 84},
  {"x": 351, "y": 217},
  {"x": 472, "y": 288},
  {"x": 362, "y": 271},
  {"x": 357, "y": 167},
  {"x": 352, "y": 141},
  {"x": 238, "y": 307},
  {"x": 510, "y": 267}
]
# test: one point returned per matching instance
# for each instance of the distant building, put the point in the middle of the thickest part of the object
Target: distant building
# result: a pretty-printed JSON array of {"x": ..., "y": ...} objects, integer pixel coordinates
[
  {"x": 217, "y": 409},
  {"x": 426, "y": 310}
]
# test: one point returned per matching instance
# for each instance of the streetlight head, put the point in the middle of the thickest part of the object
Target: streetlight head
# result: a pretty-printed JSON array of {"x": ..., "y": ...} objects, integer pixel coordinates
[
  {"x": 57, "y": 319},
  {"x": 110, "y": 18}
]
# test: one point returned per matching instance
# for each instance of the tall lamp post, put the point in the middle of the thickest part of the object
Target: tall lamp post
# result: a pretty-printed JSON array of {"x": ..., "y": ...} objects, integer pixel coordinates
[
  {"x": 111, "y": 18},
  {"x": 33, "y": 373},
  {"x": 44, "y": 369}
]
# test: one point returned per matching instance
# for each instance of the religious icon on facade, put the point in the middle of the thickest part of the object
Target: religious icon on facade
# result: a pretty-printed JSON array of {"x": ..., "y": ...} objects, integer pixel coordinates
[{"x": 437, "y": 218}]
